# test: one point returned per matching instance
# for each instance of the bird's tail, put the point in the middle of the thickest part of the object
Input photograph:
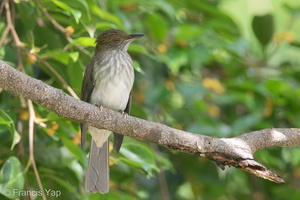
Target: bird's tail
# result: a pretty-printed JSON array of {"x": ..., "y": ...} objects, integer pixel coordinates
[{"x": 97, "y": 176}]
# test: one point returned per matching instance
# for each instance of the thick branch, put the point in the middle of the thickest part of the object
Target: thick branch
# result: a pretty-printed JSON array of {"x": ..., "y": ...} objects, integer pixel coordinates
[{"x": 237, "y": 151}]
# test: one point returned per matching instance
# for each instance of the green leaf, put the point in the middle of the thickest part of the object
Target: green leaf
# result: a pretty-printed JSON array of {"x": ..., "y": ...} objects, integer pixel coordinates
[
  {"x": 137, "y": 67},
  {"x": 11, "y": 178},
  {"x": 107, "y": 16},
  {"x": 63, "y": 58},
  {"x": 104, "y": 25},
  {"x": 140, "y": 156},
  {"x": 175, "y": 60},
  {"x": 158, "y": 32},
  {"x": 276, "y": 86},
  {"x": 64, "y": 184},
  {"x": 6, "y": 120},
  {"x": 52, "y": 155},
  {"x": 84, "y": 41},
  {"x": 74, "y": 149},
  {"x": 76, "y": 13},
  {"x": 140, "y": 49},
  {"x": 296, "y": 44},
  {"x": 74, "y": 56},
  {"x": 27, "y": 14},
  {"x": 263, "y": 28},
  {"x": 246, "y": 122},
  {"x": 166, "y": 7},
  {"x": 75, "y": 71},
  {"x": 294, "y": 10}
]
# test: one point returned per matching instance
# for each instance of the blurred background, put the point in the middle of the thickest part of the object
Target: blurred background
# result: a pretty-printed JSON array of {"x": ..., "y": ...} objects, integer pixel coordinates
[{"x": 215, "y": 67}]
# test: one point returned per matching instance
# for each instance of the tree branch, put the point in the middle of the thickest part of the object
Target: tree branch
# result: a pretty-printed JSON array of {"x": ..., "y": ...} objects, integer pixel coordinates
[{"x": 236, "y": 151}]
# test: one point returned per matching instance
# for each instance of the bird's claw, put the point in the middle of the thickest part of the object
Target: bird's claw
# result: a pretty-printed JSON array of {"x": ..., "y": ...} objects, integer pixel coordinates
[
  {"x": 100, "y": 107},
  {"x": 123, "y": 113}
]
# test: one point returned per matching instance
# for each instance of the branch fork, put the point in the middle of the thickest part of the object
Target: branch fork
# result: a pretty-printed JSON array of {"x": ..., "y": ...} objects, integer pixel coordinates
[{"x": 237, "y": 151}]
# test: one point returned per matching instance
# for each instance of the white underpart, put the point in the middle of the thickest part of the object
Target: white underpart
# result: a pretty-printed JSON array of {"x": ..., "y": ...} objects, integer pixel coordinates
[{"x": 113, "y": 90}]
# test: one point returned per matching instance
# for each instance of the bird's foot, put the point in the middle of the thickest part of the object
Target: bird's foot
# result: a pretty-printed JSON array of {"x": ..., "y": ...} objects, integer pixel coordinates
[
  {"x": 100, "y": 107},
  {"x": 123, "y": 113}
]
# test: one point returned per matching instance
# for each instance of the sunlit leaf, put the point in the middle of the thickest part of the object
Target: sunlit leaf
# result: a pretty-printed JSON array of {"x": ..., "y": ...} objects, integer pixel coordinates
[
  {"x": 74, "y": 56},
  {"x": 84, "y": 41},
  {"x": 137, "y": 67}
]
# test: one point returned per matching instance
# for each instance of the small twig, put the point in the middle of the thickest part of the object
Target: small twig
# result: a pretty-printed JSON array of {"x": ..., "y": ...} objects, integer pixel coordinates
[
  {"x": 51, "y": 19},
  {"x": 11, "y": 26},
  {"x": 2, "y": 8},
  {"x": 38, "y": 122},
  {"x": 31, "y": 147},
  {"x": 15, "y": 36}
]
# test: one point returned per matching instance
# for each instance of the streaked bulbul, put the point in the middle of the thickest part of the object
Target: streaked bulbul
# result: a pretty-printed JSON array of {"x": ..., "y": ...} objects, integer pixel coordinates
[{"x": 107, "y": 82}]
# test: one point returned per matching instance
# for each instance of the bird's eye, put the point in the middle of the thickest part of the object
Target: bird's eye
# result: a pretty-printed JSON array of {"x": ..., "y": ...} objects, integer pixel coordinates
[{"x": 116, "y": 40}]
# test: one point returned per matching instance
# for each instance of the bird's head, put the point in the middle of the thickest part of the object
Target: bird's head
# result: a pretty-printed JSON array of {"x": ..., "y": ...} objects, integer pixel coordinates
[{"x": 115, "y": 39}]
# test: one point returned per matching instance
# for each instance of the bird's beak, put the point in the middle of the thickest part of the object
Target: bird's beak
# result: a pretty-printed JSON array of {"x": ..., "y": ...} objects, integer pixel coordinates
[{"x": 132, "y": 37}]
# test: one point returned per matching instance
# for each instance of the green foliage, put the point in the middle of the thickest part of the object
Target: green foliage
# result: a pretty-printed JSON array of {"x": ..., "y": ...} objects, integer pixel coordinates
[
  {"x": 11, "y": 177},
  {"x": 9, "y": 123},
  {"x": 263, "y": 28},
  {"x": 219, "y": 68}
]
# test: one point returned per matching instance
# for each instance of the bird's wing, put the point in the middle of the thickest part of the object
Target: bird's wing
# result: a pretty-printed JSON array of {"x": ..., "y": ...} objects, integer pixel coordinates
[
  {"x": 86, "y": 91},
  {"x": 118, "y": 138}
]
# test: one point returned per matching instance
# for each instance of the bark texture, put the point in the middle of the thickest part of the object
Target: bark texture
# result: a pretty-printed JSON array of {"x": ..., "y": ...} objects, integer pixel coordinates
[{"x": 237, "y": 151}]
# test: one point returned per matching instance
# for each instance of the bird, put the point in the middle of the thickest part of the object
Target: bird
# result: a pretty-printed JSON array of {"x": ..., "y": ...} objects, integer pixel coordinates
[{"x": 107, "y": 82}]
